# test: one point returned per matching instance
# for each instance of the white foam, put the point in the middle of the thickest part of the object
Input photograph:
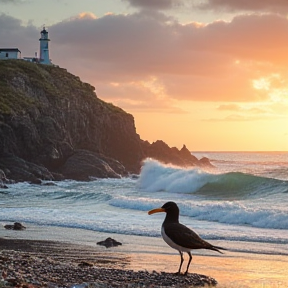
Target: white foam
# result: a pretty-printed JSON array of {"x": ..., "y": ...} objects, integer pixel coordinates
[{"x": 159, "y": 177}]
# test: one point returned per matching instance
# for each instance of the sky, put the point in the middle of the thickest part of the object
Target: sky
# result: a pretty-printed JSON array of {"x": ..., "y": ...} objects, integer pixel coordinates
[{"x": 210, "y": 74}]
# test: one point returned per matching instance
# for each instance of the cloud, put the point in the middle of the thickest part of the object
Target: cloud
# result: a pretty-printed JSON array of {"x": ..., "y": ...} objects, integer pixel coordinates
[
  {"x": 239, "y": 108},
  {"x": 252, "y": 112},
  {"x": 279, "y": 6},
  {"x": 13, "y": 34},
  {"x": 157, "y": 5},
  {"x": 147, "y": 95},
  {"x": 140, "y": 45},
  {"x": 276, "y": 6},
  {"x": 238, "y": 117},
  {"x": 13, "y": 1},
  {"x": 218, "y": 62},
  {"x": 229, "y": 107}
]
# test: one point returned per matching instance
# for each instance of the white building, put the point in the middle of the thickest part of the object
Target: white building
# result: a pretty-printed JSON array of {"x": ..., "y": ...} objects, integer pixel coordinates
[
  {"x": 10, "y": 53},
  {"x": 15, "y": 53}
]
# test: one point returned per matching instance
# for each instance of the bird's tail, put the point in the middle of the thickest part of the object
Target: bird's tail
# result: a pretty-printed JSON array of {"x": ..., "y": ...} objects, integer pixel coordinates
[{"x": 217, "y": 248}]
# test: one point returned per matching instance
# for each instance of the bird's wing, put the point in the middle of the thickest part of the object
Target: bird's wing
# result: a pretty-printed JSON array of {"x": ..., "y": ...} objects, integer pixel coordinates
[{"x": 185, "y": 237}]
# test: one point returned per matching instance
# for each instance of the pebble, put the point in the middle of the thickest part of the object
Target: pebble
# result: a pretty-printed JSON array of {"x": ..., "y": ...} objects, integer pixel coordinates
[{"x": 22, "y": 270}]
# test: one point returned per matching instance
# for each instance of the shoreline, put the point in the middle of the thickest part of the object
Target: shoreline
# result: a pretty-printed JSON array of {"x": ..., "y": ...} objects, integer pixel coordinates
[
  {"x": 33, "y": 264},
  {"x": 143, "y": 255}
]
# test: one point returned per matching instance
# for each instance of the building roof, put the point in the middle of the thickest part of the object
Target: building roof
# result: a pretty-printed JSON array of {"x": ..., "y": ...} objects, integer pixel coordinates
[{"x": 9, "y": 50}]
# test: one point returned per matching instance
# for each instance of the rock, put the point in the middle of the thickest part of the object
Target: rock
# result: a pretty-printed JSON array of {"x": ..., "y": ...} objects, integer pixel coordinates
[
  {"x": 52, "y": 120},
  {"x": 51, "y": 114},
  {"x": 109, "y": 242},
  {"x": 2, "y": 176},
  {"x": 22, "y": 170},
  {"x": 84, "y": 264},
  {"x": 4, "y": 180},
  {"x": 48, "y": 184},
  {"x": 15, "y": 226},
  {"x": 36, "y": 181},
  {"x": 83, "y": 165},
  {"x": 159, "y": 150},
  {"x": 205, "y": 162}
]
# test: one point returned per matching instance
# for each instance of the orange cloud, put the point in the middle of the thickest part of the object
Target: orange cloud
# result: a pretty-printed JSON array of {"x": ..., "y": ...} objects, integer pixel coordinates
[
  {"x": 219, "y": 62},
  {"x": 86, "y": 15},
  {"x": 279, "y": 6},
  {"x": 229, "y": 107},
  {"x": 232, "y": 74}
]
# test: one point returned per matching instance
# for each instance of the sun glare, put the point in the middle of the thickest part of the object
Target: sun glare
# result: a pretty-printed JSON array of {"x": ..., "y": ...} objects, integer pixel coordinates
[
  {"x": 155, "y": 87},
  {"x": 115, "y": 84},
  {"x": 87, "y": 15},
  {"x": 261, "y": 84}
]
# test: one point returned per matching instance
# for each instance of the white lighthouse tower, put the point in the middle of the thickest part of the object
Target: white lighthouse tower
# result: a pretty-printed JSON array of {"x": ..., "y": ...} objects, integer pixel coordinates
[{"x": 44, "y": 47}]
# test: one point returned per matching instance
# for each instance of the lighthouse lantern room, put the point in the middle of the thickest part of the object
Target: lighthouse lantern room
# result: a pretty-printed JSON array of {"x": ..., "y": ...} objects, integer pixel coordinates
[{"x": 44, "y": 47}]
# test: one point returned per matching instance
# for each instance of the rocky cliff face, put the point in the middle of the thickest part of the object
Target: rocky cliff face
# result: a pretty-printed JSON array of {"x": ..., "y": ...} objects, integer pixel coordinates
[{"x": 53, "y": 126}]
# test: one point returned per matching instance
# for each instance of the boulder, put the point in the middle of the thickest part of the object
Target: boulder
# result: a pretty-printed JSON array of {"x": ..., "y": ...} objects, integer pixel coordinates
[
  {"x": 84, "y": 165},
  {"x": 15, "y": 226},
  {"x": 109, "y": 242},
  {"x": 205, "y": 162},
  {"x": 21, "y": 170}
]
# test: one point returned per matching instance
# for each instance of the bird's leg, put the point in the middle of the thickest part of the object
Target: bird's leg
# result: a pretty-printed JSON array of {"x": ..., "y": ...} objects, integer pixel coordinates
[
  {"x": 190, "y": 259},
  {"x": 182, "y": 259}
]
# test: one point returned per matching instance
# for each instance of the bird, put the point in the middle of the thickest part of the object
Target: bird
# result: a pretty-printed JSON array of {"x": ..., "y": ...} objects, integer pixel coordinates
[{"x": 180, "y": 237}]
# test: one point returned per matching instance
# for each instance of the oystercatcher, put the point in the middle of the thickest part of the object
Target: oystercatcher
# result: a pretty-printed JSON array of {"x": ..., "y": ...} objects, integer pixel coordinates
[{"x": 180, "y": 237}]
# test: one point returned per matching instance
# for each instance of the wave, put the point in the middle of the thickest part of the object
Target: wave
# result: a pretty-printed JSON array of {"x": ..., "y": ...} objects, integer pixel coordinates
[
  {"x": 228, "y": 212},
  {"x": 68, "y": 190},
  {"x": 144, "y": 225},
  {"x": 155, "y": 177}
]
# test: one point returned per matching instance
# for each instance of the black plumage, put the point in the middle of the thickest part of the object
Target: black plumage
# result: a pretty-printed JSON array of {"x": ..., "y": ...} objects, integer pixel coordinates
[{"x": 180, "y": 237}]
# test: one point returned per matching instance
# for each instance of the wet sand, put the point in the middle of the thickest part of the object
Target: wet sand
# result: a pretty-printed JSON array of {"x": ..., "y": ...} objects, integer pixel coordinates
[{"x": 232, "y": 269}]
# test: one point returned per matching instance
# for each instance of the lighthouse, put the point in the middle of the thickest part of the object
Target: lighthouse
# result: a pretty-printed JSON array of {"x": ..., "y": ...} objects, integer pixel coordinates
[{"x": 44, "y": 47}]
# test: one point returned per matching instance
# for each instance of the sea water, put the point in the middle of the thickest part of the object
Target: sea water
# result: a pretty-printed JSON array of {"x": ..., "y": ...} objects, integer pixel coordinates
[{"x": 241, "y": 203}]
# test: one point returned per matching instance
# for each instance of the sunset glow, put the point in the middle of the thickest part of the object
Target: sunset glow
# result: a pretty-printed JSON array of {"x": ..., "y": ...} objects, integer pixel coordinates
[{"x": 208, "y": 79}]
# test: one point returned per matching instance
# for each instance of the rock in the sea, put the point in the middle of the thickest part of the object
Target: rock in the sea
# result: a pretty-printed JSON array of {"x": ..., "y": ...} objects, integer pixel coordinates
[
  {"x": 109, "y": 242},
  {"x": 160, "y": 151},
  {"x": 205, "y": 162},
  {"x": 15, "y": 226},
  {"x": 3, "y": 185}
]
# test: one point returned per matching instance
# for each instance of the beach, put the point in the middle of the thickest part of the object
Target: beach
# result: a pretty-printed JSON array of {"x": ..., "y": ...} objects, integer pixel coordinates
[
  {"x": 87, "y": 262},
  {"x": 241, "y": 205}
]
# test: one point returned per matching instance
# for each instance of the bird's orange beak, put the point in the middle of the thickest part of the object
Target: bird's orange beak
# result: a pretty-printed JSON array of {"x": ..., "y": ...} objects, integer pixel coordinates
[{"x": 157, "y": 210}]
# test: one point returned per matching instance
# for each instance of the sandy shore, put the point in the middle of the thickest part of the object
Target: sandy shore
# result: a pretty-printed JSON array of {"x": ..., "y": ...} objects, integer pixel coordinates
[
  {"x": 31, "y": 264},
  {"x": 132, "y": 263}
]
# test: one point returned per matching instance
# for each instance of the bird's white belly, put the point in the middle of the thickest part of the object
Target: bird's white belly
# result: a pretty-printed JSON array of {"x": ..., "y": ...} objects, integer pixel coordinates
[{"x": 172, "y": 244}]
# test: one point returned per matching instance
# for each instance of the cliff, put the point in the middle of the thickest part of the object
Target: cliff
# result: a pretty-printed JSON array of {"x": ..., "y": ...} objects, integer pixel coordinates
[{"x": 53, "y": 126}]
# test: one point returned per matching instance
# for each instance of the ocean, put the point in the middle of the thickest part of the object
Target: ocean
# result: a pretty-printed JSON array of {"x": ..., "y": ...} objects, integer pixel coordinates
[{"x": 240, "y": 204}]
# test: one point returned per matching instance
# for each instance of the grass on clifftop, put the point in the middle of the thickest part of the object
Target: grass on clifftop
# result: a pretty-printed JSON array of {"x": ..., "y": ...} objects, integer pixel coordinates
[
  {"x": 22, "y": 81},
  {"x": 10, "y": 101}
]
